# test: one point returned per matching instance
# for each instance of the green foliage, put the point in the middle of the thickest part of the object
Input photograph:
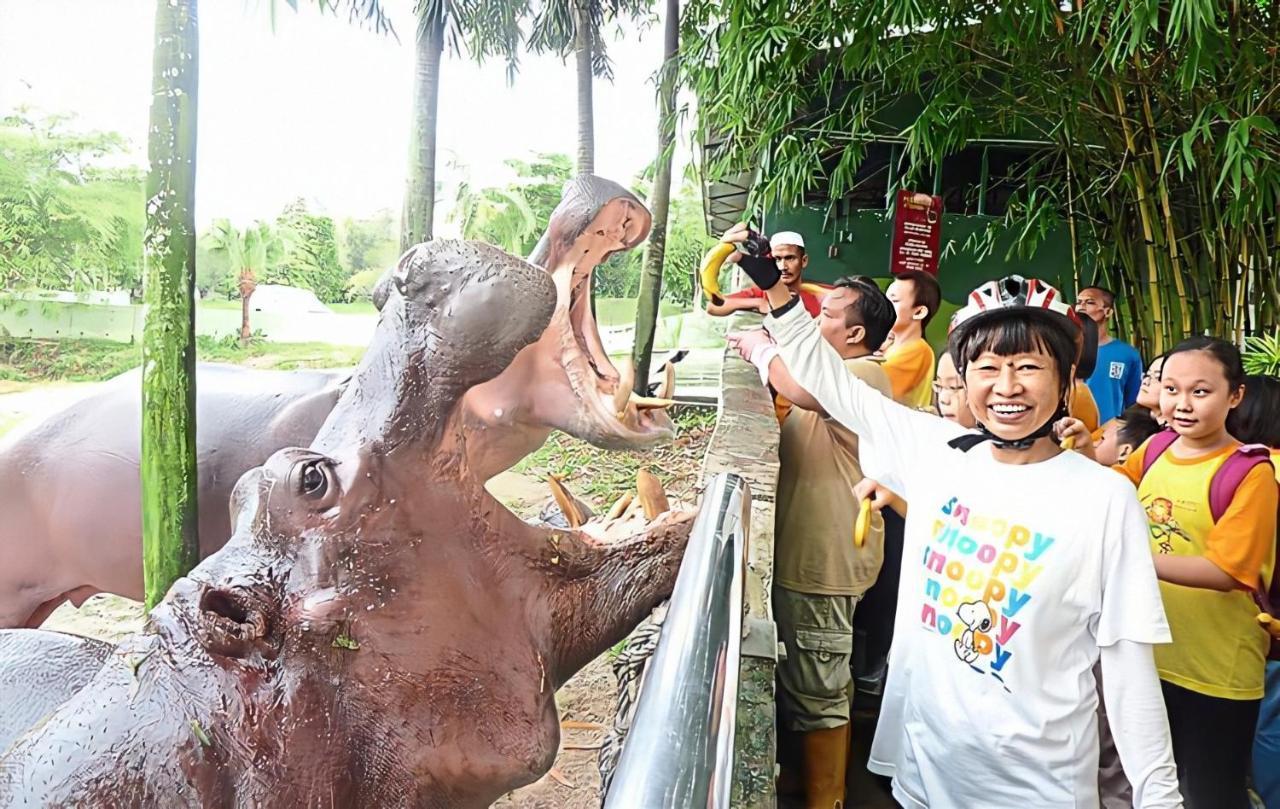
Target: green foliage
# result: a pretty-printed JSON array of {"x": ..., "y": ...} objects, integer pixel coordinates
[
  {"x": 554, "y": 27},
  {"x": 1155, "y": 124},
  {"x": 310, "y": 257},
  {"x": 68, "y": 219},
  {"x": 365, "y": 244},
  {"x": 360, "y": 286},
  {"x": 25, "y": 360},
  {"x": 251, "y": 255},
  {"x": 513, "y": 216},
  {"x": 687, "y": 241},
  {"x": 1262, "y": 354}
]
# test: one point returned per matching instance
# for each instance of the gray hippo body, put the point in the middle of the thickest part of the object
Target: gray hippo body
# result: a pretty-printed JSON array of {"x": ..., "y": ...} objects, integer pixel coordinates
[
  {"x": 378, "y": 631},
  {"x": 71, "y": 496}
]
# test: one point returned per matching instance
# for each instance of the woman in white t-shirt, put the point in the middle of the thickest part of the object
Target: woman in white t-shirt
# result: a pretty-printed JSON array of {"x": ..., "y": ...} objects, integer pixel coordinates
[{"x": 1023, "y": 566}]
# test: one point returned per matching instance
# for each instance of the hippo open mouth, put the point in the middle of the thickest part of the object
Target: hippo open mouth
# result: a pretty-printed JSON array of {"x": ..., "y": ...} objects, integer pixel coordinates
[
  {"x": 622, "y": 417},
  {"x": 595, "y": 219}
]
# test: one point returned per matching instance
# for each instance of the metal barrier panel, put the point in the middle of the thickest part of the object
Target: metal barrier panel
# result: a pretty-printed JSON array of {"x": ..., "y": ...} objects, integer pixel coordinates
[{"x": 679, "y": 752}]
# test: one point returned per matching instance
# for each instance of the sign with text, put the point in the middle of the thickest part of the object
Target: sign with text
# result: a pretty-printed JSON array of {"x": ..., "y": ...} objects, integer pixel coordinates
[{"x": 917, "y": 233}]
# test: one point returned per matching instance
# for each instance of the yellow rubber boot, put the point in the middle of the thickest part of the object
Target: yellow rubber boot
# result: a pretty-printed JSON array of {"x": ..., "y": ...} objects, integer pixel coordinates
[{"x": 826, "y": 753}]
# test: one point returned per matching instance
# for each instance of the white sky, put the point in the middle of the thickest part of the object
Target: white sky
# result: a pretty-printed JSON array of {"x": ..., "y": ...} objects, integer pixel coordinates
[{"x": 318, "y": 108}]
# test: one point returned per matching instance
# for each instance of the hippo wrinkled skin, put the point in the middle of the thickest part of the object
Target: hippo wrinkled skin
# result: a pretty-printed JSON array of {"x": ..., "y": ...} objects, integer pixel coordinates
[
  {"x": 379, "y": 631},
  {"x": 69, "y": 488}
]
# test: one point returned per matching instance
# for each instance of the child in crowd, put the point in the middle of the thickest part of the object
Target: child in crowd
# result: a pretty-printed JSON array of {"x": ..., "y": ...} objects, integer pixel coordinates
[
  {"x": 1149, "y": 390},
  {"x": 1120, "y": 437},
  {"x": 1011, "y": 592},
  {"x": 820, "y": 573},
  {"x": 948, "y": 392},
  {"x": 1208, "y": 557},
  {"x": 916, "y": 297}
]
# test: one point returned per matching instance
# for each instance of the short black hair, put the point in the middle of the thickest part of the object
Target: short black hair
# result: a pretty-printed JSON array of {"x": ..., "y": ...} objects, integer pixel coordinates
[
  {"x": 1015, "y": 331},
  {"x": 1108, "y": 297},
  {"x": 1227, "y": 355},
  {"x": 1136, "y": 426},
  {"x": 1256, "y": 420},
  {"x": 925, "y": 292},
  {"x": 871, "y": 308}
]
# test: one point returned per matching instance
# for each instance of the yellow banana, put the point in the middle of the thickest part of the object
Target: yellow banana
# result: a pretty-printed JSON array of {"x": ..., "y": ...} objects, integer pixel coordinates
[
  {"x": 1069, "y": 443},
  {"x": 709, "y": 272},
  {"x": 814, "y": 289},
  {"x": 863, "y": 524},
  {"x": 1272, "y": 625}
]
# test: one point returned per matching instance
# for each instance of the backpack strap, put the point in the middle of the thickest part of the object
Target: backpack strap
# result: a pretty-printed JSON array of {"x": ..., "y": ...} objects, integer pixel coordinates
[
  {"x": 1156, "y": 446},
  {"x": 1232, "y": 473}
]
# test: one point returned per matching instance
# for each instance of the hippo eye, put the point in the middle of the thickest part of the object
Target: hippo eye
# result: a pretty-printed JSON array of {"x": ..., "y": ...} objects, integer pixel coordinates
[{"x": 314, "y": 480}]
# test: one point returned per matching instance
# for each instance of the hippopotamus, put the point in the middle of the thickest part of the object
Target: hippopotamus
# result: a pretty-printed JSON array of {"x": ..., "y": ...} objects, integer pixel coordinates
[
  {"x": 70, "y": 491},
  {"x": 378, "y": 631}
]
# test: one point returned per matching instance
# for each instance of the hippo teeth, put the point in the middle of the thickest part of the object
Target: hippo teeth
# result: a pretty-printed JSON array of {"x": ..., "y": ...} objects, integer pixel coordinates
[
  {"x": 623, "y": 393},
  {"x": 667, "y": 389},
  {"x": 653, "y": 498},
  {"x": 620, "y": 506},
  {"x": 566, "y": 501}
]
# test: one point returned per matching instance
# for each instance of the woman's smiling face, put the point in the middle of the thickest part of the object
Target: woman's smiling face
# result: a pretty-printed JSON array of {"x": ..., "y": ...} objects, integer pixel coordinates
[{"x": 1014, "y": 395}]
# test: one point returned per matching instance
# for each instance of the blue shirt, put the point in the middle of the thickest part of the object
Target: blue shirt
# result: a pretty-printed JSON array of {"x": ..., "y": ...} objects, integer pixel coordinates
[{"x": 1116, "y": 379}]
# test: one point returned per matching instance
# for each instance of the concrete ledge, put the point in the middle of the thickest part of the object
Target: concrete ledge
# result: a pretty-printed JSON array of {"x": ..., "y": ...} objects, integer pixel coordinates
[{"x": 745, "y": 441}]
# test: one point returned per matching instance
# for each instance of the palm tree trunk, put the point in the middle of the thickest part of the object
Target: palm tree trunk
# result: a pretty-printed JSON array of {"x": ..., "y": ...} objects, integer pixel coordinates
[
  {"x": 583, "y": 46},
  {"x": 170, "y": 544},
  {"x": 651, "y": 276},
  {"x": 420, "y": 192},
  {"x": 248, "y": 283}
]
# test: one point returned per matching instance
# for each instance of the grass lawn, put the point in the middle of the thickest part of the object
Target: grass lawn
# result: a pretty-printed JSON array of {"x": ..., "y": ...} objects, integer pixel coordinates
[{"x": 23, "y": 360}]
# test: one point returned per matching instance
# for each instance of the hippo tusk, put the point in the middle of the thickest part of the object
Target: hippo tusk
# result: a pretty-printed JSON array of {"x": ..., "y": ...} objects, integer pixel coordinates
[
  {"x": 668, "y": 387},
  {"x": 620, "y": 506},
  {"x": 651, "y": 402},
  {"x": 622, "y": 393},
  {"x": 566, "y": 501},
  {"x": 652, "y": 496}
]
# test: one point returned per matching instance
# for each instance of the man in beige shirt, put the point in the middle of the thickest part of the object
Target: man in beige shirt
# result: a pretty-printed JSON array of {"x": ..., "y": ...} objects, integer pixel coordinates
[{"x": 819, "y": 572}]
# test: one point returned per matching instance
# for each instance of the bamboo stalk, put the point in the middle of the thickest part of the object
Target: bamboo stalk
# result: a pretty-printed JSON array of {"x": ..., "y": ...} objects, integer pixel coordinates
[{"x": 1153, "y": 273}]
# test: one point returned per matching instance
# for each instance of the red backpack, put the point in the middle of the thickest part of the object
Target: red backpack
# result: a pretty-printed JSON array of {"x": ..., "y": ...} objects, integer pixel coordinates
[{"x": 1222, "y": 489}]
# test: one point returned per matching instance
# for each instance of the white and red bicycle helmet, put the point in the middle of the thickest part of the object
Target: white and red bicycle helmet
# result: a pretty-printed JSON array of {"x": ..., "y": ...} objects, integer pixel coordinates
[
  {"x": 1012, "y": 292},
  {"x": 1037, "y": 299}
]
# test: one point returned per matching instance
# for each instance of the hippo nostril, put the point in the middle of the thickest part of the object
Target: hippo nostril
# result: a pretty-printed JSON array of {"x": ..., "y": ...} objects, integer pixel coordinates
[
  {"x": 223, "y": 604},
  {"x": 232, "y": 624}
]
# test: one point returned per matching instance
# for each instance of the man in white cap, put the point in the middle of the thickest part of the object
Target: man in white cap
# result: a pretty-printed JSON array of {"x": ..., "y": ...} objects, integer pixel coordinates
[{"x": 788, "y": 251}]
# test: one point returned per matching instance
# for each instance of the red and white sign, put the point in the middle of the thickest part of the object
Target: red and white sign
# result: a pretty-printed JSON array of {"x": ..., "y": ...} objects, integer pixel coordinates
[{"x": 917, "y": 233}]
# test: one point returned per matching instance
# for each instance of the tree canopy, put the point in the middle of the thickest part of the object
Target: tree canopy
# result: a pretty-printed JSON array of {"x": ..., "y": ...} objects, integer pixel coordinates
[
  {"x": 1152, "y": 123},
  {"x": 70, "y": 216}
]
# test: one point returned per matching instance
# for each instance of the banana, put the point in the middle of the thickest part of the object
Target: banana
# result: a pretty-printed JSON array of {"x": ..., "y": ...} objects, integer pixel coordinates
[
  {"x": 1069, "y": 443},
  {"x": 814, "y": 289},
  {"x": 709, "y": 272},
  {"x": 863, "y": 524},
  {"x": 1272, "y": 625}
]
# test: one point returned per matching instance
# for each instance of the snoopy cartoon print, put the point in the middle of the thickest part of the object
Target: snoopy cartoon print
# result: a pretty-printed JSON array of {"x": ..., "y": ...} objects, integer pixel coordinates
[{"x": 974, "y": 641}]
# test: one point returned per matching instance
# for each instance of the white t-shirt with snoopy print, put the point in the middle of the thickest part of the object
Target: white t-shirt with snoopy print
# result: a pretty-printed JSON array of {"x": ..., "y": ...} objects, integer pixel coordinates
[{"x": 1013, "y": 577}]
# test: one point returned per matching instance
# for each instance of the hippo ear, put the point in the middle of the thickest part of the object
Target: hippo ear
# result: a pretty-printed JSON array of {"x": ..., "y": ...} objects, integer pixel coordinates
[
  {"x": 386, "y": 284},
  {"x": 478, "y": 305}
]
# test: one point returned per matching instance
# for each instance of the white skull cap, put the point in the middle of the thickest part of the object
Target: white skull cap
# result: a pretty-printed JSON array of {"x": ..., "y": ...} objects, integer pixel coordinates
[{"x": 786, "y": 237}]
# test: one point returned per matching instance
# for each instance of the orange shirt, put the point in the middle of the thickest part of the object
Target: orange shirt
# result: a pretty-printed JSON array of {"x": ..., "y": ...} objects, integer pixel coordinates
[
  {"x": 910, "y": 369},
  {"x": 1082, "y": 406}
]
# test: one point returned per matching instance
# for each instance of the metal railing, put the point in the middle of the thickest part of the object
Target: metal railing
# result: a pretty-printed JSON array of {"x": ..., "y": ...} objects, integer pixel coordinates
[{"x": 679, "y": 750}]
